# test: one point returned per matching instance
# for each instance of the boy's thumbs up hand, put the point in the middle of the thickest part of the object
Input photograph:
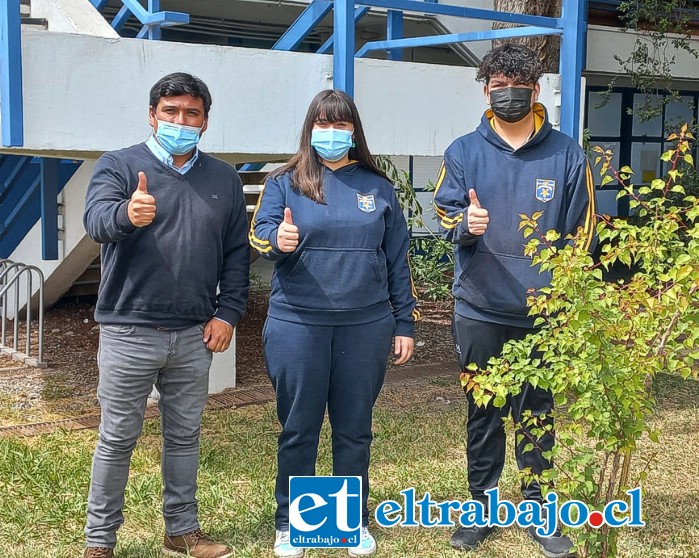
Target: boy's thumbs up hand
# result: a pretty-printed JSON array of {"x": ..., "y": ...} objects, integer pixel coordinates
[{"x": 477, "y": 217}]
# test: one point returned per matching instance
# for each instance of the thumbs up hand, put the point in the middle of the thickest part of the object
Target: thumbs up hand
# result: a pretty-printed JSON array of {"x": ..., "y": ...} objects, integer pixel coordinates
[
  {"x": 477, "y": 217},
  {"x": 141, "y": 208},
  {"x": 287, "y": 233}
]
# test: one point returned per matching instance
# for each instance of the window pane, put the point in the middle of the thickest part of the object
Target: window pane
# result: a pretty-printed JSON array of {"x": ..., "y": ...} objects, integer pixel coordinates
[
  {"x": 651, "y": 127},
  {"x": 678, "y": 112},
  {"x": 429, "y": 216},
  {"x": 607, "y": 203},
  {"x": 605, "y": 120},
  {"x": 645, "y": 162}
]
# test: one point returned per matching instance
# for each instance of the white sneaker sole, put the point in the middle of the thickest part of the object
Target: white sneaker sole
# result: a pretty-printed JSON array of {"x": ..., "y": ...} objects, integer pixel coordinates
[
  {"x": 354, "y": 554},
  {"x": 299, "y": 554}
]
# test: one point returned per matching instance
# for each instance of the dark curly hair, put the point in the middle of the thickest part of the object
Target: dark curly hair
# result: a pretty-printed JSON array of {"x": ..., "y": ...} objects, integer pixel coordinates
[
  {"x": 513, "y": 61},
  {"x": 180, "y": 83}
]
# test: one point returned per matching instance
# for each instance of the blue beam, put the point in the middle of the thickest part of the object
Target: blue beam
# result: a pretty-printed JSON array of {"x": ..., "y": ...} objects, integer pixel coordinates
[
  {"x": 11, "y": 105},
  {"x": 19, "y": 207},
  {"x": 99, "y": 4},
  {"x": 21, "y": 164},
  {"x": 572, "y": 60},
  {"x": 303, "y": 25},
  {"x": 136, "y": 9},
  {"x": 462, "y": 11},
  {"x": 359, "y": 13},
  {"x": 457, "y": 38},
  {"x": 394, "y": 31},
  {"x": 121, "y": 18},
  {"x": 343, "y": 53},
  {"x": 166, "y": 19},
  {"x": 49, "y": 208},
  {"x": 154, "y": 31}
]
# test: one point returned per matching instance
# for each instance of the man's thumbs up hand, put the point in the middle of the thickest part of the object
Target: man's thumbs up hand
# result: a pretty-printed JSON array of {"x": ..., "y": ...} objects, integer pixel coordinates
[
  {"x": 287, "y": 233},
  {"x": 141, "y": 208},
  {"x": 477, "y": 217}
]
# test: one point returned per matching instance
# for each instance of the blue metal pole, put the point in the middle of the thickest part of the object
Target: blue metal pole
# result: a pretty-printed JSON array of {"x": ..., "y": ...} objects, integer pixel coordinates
[
  {"x": 343, "y": 53},
  {"x": 394, "y": 30},
  {"x": 573, "y": 47},
  {"x": 154, "y": 31},
  {"x": 472, "y": 36},
  {"x": 359, "y": 13},
  {"x": 121, "y": 18},
  {"x": 11, "y": 103},
  {"x": 49, "y": 208},
  {"x": 303, "y": 25},
  {"x": 99, "y": 4},
  {"x": 461, "y": 11}
]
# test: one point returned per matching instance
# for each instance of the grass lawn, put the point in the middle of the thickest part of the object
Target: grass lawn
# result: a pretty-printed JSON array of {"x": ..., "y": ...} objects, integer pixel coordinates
[{"x": 419, "y": 432}]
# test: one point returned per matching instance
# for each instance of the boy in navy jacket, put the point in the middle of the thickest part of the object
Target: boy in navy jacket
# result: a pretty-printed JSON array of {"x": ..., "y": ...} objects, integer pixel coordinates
[{"x": 515, "y": 162}]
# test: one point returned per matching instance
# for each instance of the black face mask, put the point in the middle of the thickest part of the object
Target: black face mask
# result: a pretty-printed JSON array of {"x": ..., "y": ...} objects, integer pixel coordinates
[{"x": 511, "y": 104}]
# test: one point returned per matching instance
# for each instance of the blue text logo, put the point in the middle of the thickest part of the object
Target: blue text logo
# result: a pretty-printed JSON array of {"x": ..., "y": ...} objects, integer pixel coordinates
[
  {"x": 545, "y": 516},
  {"x": 325, "y": 511}
]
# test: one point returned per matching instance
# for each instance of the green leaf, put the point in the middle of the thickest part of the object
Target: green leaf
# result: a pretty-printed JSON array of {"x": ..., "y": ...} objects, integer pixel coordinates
[
  {"x": 607, "y": 179},
  {"x": 689, "y": 159}
]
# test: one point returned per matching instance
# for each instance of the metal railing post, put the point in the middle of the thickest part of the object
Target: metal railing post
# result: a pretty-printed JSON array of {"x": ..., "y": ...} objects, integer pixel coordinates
[{"x": 8, "y": 282}]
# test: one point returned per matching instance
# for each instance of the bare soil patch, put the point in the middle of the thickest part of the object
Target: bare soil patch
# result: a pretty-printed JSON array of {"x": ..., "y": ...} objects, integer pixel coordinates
[{"x": 67, "y": 388}]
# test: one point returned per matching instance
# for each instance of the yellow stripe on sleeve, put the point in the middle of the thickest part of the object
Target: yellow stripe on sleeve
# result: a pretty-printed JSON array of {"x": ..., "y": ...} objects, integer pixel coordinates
[
  {"x": 416, "y": 313},
  {"x": 450, "y": 224},
  {"x": 258, "y": 244},
  {"x": 590, "y": 216}
]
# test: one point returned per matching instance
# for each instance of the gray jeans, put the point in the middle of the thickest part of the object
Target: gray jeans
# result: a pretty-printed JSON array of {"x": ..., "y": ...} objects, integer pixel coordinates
[{"x": 131, "y": 360}]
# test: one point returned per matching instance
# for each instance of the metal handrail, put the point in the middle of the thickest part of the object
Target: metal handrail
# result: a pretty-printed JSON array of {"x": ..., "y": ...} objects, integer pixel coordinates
[{"x": 6, "y": 283}]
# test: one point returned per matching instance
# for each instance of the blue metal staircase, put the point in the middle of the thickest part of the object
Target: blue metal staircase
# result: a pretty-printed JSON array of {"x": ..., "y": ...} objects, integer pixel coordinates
[{"x": 21, "y": 195}]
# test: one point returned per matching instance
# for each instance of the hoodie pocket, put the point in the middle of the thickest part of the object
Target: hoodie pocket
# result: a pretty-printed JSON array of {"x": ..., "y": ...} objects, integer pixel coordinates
[
  {"x": 335, "y": 279},
  {"x": 501, "y": 282}
]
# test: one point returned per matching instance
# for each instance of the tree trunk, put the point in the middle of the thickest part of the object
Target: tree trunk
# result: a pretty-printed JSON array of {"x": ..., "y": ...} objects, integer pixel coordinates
[{"x": 548, "y": 46}]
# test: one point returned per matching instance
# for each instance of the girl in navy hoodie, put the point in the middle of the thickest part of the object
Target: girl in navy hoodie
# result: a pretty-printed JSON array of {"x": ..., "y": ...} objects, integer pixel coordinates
[{"x": 341, "y": 292}]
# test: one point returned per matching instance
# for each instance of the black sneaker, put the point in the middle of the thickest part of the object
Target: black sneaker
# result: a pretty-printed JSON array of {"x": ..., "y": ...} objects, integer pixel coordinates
[
  {"x": 470, "y": 538},
  {"x": 555, "y": 546}
]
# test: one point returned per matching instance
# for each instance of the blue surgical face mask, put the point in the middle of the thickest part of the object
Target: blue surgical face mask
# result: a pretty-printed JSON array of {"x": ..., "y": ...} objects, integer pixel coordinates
[
  {"x": 331, "y": 144},
  {"x": 177, "y": 139}
]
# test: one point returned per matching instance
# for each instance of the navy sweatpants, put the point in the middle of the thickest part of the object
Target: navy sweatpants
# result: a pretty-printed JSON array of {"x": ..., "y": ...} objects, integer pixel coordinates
[
  {"x": 485, "y": 445},
  {"x": 313, "y": 367}
]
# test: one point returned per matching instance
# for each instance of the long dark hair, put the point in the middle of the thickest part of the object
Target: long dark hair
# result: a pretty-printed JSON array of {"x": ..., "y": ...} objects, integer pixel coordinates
[{"x": 328, "y": 106}]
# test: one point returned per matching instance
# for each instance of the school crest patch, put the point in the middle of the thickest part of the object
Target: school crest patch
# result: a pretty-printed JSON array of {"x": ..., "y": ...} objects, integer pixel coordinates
[
  {"x": 366, "y": 203},
  {"x": 545, "y": 189}
]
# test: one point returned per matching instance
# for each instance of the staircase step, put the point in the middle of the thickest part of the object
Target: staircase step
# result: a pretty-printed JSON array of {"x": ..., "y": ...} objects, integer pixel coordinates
[
  {"x": 25, "y": 8},
  {"x": 37, "y": 23},
  {"x": 252, "y": 177},
  {"x": 88, "y": 283}
]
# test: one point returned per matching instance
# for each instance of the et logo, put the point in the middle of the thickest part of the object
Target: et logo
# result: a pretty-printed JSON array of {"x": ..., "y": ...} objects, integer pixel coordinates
[{"x": 325, "y": 512}]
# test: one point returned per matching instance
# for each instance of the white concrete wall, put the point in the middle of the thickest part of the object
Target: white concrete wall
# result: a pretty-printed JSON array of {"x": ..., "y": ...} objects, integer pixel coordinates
[
  {"x": 72, "y": 16},
  {"x": 605, "y": 42},
  {"x": 84, "y": 95}
]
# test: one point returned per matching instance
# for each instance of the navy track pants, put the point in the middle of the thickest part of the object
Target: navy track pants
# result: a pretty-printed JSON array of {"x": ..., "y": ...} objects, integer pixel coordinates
[{"x": 315, "y": 367}]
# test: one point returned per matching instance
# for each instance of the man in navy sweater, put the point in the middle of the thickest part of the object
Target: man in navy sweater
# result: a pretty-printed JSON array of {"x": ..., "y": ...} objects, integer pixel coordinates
[
  {"x": 513, "y": 163},
  {"x": 175, "y": 273}
]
